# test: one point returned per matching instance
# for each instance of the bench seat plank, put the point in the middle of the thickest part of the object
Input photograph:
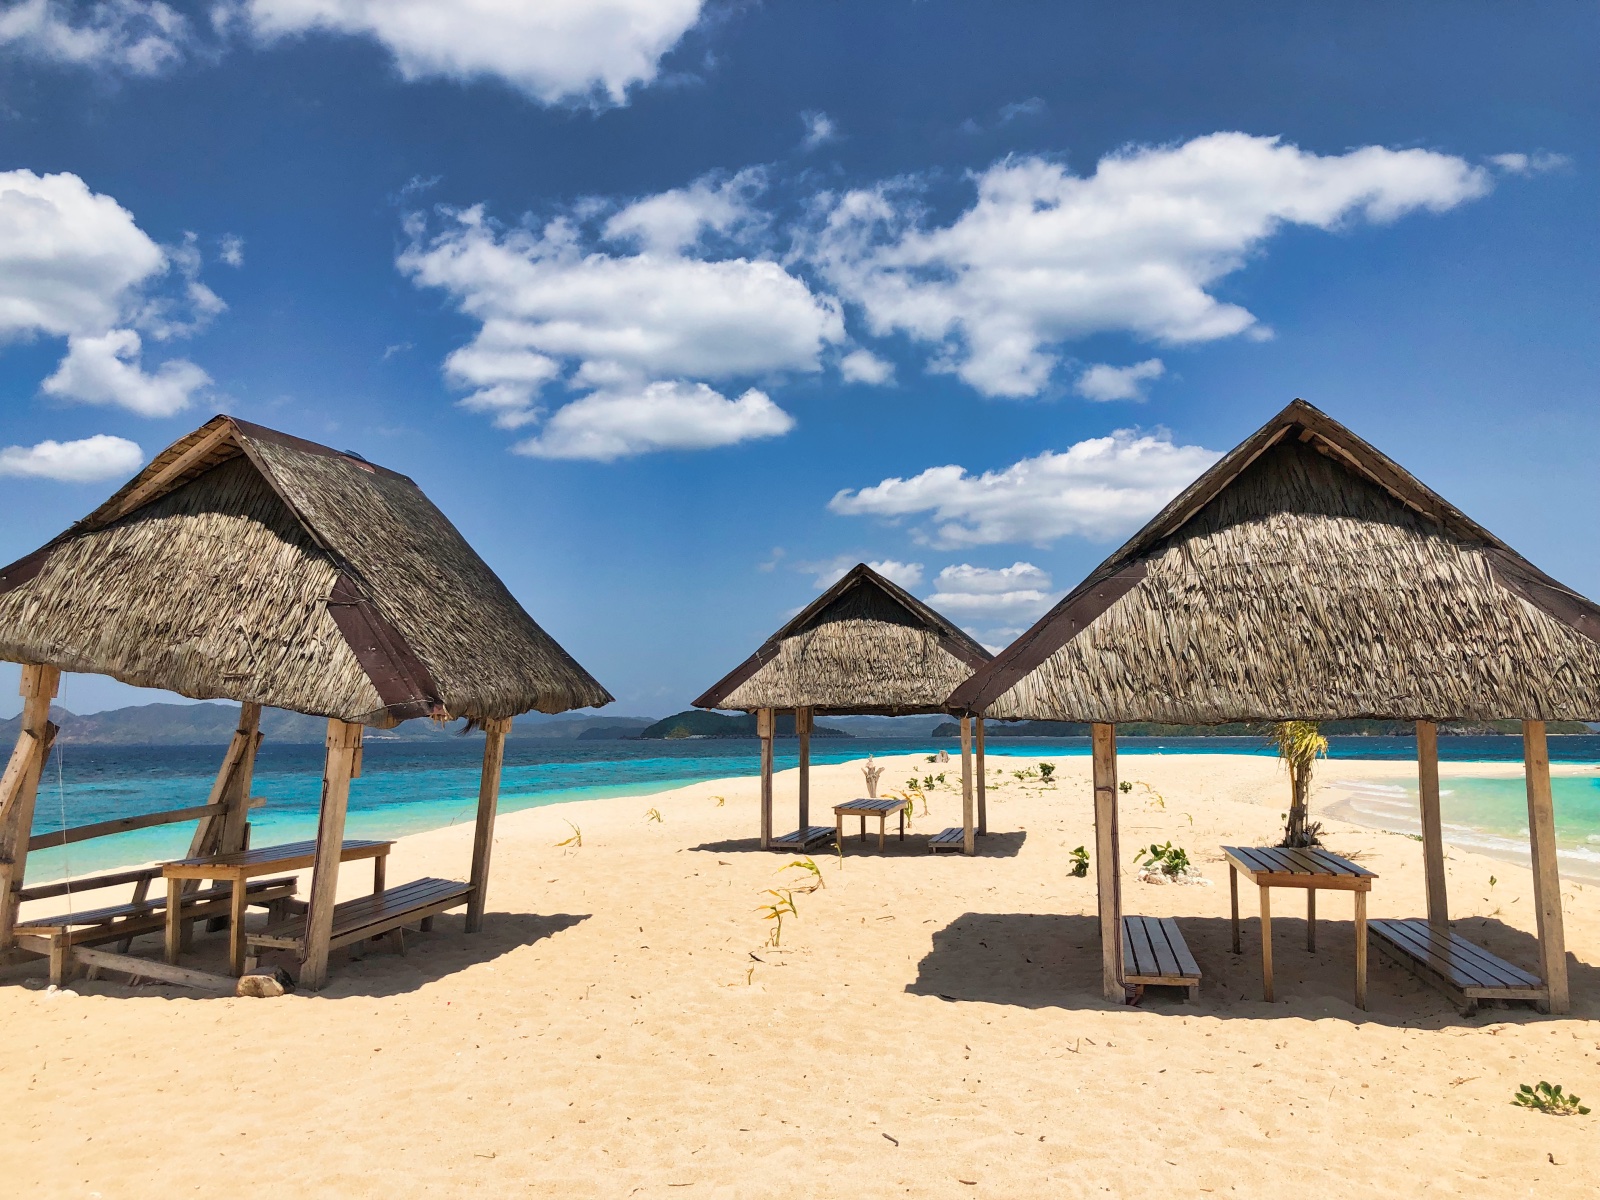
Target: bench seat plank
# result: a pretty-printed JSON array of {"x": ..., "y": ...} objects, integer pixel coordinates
[
  {"x": 1154, "y": 952},
  {"x": 815, "y": 835},
  {"x": 368, "y": 916},
  {"x": 954, "y": 838},
  {"x": 154, "y": 908},
  {"x": 1466, "y": 971}
]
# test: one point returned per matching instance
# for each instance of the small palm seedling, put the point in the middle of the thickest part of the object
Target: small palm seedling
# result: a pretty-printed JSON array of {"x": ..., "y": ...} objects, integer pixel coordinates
[
  {"x": 933, "y": 758},
  {"x": 1080, "y": 862},
  {"x": 653, "y": 814},
  {"x": 809, "y": 865},
  {"x": 1299, "y": 745},
  {"x": 782, "y": 903},
  {"x": 1150, "y": 793},
  {"x": 1125, "y": 786},
  {"x": 1166, "y": 859},
  {"x": 575, "y": 841},
  {"x": 939, "y": 778},
  {"x": 1550, "y": 1099},
  {"x": 1047, "y": 771}
]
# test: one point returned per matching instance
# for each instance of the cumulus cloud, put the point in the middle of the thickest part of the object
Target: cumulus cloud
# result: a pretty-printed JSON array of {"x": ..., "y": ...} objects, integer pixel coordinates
[
  {"x": 75, "y": 264},
  {"x": 863, "y": 366},
  {"x": 828, "y": 572},
  {"x": 1018, "y": 593},
  {"x": 605, "y": 426},
  {"x": 1530, "y": 164},
  {"x": 1044, "y": 256},
  {"x": 568, "y": 304},
  {"x": 231, "y": 250},
  {"x": 820, "y": 130},
  {"x": 83, "y": 461},
  {"x": 137, "y": 37},
  {"x": 1100, "y": 488},
  {"x": 553, "y": 50},
  {"x": 1105, "y": 382}
]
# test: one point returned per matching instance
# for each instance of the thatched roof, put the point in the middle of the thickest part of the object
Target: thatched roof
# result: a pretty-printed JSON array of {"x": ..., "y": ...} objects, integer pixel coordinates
[
  {"x": 1304, "y": 576},
  {"x": 865, "y": 645},
  {"x": 244, "y": 564}
]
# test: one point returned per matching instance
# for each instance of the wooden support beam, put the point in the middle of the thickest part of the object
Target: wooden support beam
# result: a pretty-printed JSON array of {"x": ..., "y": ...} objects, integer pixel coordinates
[
  {"x": 1546, "y": 874},
  {"x": 236, "y": 800},
  {"x": 969, "y": 829},
  {"x": 343, "y": 740},
  {"x": 1432, "y": 825},
  {"x": 39, "y": 684},
  {"x": 1108, "y": 859},
  {"x": 764, "y": 723},
  {"x": 983, "y": 791},
  {"x": 802, "y": 727},
  {"x": 494, "y": 757},
  {"x": 144, "y": 968}
]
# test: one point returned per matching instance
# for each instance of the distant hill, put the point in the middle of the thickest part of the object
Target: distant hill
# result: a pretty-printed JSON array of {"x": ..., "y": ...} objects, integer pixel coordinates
[
  {"x": 1002, "y": 729},
  {"x": 697, "y": 722},
  {"x": 213, "y": 723}
]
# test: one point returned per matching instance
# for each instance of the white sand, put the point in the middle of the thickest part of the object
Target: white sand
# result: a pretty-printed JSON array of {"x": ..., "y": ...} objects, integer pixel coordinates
[{"x": 621, "y": 1028}]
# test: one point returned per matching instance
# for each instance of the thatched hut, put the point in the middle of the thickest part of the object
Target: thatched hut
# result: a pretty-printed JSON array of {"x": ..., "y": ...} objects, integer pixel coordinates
[
  {"x": 248, "y": 565},
  {"x": 865, "y": 646},
  {"x": 1307, "y": 576}
]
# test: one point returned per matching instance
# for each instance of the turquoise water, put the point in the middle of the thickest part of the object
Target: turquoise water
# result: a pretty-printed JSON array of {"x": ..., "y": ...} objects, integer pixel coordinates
[{"x": 408, "y": 787}]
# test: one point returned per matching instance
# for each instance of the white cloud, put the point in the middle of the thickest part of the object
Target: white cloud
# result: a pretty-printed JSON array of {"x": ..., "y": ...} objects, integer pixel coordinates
[
  {"x": 83, "y": 461},
  {"x": 633, "y": 329},
  {"x": 1019, "y": 592},
  {"x": 827, "y": 573},
  {"x": 553, "y": 50},
  {"x": 1044, "y": 256},
  {"x": 1031, "y": 107},
  {"x": 605, "y": 426},
  {"x": 1530, "y": 164},
  {"x": 1102, "y": 381},
  {"x": 140, "y": 37},
  {"x": 863, "y": 366},
  {"x": 106, "y": 370},
  {"x": 820, "y": 130},
  {"x": 232, "y": 250},
  {"x": 75, "y": 264},
  {"x": 1099, "y": 488},
  {"x": 907, "y": 575}
]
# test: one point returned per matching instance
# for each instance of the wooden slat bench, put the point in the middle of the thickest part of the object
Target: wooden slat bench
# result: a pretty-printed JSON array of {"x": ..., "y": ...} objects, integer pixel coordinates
[
  {"x": 366, "y": 917},
  {"x": 804, "y": 839},
  {"x": 1465, "y": 972},
  {"x": 55, "y": 936},
  {"x": 1154, "y": 952},
  {"x": 954, "y": 838}
]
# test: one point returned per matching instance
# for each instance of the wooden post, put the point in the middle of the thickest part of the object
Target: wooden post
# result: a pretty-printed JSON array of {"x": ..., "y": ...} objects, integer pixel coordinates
[
  {"x": 494, "y": 757},
  {"x": 764, "y": 723},
  {"x": 1432, "y": 825},
  {"x": 343, "y": 740},
  {"x": 983, "y": 795},
  {"x": 969, "y": 839},
  {"x": 20, "y": 789},
  {"x": 802, "y": 728},
  {"x": 1546, "y": 875},
  {"x": 1108, "y": 858},
  {"x": 230, "y": 792}
]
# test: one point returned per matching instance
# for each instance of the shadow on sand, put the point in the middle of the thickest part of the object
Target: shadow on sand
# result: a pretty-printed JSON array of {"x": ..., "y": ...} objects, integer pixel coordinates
[
  {"x": 1035, "y": 960},
  {"x": 990, "y": 845}
]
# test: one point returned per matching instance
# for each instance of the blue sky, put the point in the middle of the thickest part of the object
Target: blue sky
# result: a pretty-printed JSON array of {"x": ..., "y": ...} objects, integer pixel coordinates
[{"x": 679, "y": 309}]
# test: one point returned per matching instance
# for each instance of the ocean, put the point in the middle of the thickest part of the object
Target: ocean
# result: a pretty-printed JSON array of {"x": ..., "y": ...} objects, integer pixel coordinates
[{"x": 408, "y": 787}]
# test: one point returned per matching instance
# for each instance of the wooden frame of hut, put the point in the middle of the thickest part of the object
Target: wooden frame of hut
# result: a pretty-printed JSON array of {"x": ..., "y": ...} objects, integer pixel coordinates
[
  {"x": 249, "y": 565},
  {"x": 1307, "y": 576},
  {"x": 866, "y": 646}
]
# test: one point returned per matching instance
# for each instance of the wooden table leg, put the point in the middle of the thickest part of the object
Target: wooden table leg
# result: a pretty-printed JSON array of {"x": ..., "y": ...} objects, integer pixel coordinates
[
  {"x": 1361, "y": 950},
  {"x": 1233, "y": 894},
  {"x": 1266, "y": 944},
  {"x": 863, "y": 827},
  {"x": 1311, "y": 919},
  {"x": 838, "y": 831},
  {"x": 883, "y": 820},
  {"x": 380, "y": 867},
  {"x": 174, "y": 930},
  {"x": 902, "y": 823},
  {"x": 236, "y": 927}
]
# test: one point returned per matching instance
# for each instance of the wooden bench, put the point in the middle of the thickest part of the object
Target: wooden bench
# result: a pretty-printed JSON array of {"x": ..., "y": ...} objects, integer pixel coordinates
[
  {"x": 365, "y": 917},
  {"x": 802, "y": 840},
  {"x": 1154, "y": 952},
  {"x": 1465, "y": 972},
  {"x": 954, "y": 838},
  {"x": 56, "y": 936}
]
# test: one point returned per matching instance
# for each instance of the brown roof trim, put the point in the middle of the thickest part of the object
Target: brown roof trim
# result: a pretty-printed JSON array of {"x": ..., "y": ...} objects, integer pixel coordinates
[
  {"x": 261, "y": 433},
  {"x": 1557, "y": 601},
  {"x": 403, "y": 683}
]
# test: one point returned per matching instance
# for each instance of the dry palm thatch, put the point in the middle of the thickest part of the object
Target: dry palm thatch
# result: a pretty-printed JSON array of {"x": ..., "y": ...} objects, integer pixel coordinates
[
  {"x": 866, "y": 645},
  {"x": 248, "y": 565},
  {"x": 1305, "y": 576}
]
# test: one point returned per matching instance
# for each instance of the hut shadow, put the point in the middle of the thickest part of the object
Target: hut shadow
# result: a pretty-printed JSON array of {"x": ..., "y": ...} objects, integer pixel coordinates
[
  {"x": 990, "y": 845},
  {"x": 1041, "y": 960}
]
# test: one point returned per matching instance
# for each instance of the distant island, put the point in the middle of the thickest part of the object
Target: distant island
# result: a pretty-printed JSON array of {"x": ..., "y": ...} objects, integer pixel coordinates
[
  {"x": 699, "y": 723},
  {"x": 1052, "y": 729}
]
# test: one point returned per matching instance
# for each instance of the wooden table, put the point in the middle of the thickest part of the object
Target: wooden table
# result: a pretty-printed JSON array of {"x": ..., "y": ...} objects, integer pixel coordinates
[
  {"x": 1276, "y": 866},
  {"x": 869, "y": 808},
  {"x": 239, "y": 868}
]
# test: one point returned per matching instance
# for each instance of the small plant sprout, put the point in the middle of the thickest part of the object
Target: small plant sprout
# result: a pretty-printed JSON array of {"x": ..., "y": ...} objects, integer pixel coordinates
[
  {"x": 933, "y": 758},
  {"x": 873, "y": 772},
  {"x": 809, "y": 865},
  {"x": 939, "y": 778},
  {"x": 575, "y": 841},
  {"x": 653, "y": 814},
  {"x": 1125, "y": 786},
  {"x": 1166, "y": 859},
  {"x": 1150, "y": 793},
  {"x": 927, "y": 783},
  {"x": 1550, "y": 1099},
  {"x": 1047, "y": 771},
  {"x": 782, "y": 903},
  {"x": 1080, "y": 862},
  {"x": 721, "y": 800}
]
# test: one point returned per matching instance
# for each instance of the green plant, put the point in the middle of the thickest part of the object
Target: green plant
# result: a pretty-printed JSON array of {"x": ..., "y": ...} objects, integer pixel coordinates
[
  {"x": 1171, "y": 861},
  {"x": 1125, "y": 786},
  {"x": 927, "y": 783},
  {"x": 933, "y": 758},
  {"x": 939, "y": 778},
  {"x": 652, "y": 814},
  {"x": 1299, "y": 745},
  {"x": 575, "y": 840},
  {"x": 806, "y": 864},
  {"x": 1080, "y": 862},
  {"x": 1047, "y": 772},
  {"x": 782, "y": 902},
  {"x": 1549, "y": 1099}
]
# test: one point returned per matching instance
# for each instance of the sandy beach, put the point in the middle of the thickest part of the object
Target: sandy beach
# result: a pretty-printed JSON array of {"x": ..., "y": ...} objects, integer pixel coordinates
[{"x": 929, "y": 1026}]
